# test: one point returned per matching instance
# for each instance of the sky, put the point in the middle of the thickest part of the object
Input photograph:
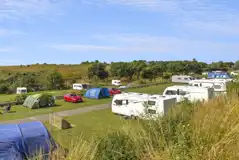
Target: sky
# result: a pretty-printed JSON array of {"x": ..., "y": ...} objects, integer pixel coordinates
[{"x": 72, "y": 31}]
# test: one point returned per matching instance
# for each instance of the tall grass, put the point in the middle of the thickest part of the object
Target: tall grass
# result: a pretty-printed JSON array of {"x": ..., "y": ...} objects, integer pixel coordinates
[{"x": 202, "y": 131}]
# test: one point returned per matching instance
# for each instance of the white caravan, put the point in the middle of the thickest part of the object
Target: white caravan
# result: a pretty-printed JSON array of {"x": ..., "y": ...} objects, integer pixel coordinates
[
  {"x": 116, "y": 82},
  {"x": 21, "y": 90},
  {"x": 181, "y": 78},
  {"x": 218, "y": 85},
  {"x": 141, "y": 106},
  {"x": 80, "y": 86},
  {"x": 191, "y": 93}
]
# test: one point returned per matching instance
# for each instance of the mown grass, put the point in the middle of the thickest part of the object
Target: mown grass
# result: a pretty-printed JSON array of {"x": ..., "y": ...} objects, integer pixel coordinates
[
  {"x": 202, "y": 131},
  {"x": 18, "y": 112}
]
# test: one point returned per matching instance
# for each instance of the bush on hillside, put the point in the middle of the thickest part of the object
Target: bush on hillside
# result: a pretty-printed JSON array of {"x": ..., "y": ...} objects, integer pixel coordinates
[{"x": 3, "y": 88}]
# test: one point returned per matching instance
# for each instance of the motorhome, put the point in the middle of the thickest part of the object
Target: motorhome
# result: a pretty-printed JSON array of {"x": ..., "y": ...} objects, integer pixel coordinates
[
  {"x": 191, "y": 93},
  {"x": 116, "y": 82},
  {"x": 80, "y": 86},
  {"x": 141, "y": 105},
  {"x": 182, "y": 78},
  {"x": 220, "y": 86},
  {"x": 21, "y": 90}
]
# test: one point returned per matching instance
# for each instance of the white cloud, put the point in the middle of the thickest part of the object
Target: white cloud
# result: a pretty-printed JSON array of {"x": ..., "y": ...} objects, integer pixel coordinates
[
  {"x": 6, "y": 32},
  {"x": 24, "y": 9},
  {"x": 6, "y": 49},
  {"x": 151, "y": 44},
  {"x": 204, "y": 15}
]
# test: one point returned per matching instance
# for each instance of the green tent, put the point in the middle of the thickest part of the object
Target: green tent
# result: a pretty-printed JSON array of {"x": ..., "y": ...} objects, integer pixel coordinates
[{"x": 39, "y": 101}]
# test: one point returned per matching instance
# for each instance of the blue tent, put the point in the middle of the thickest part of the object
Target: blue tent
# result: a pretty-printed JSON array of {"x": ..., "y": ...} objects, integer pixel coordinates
[
  {"x": 24, "y": 140},
  {"x": 97, "y": 93}
]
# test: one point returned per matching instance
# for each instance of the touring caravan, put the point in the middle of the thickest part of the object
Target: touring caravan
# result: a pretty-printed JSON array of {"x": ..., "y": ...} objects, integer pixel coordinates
[
  {"x": 141, "y": 105},
  {"x": 21, "y": 90},
  {"x": 182, "y": 78},
  {"x": 219, "y": 86},
  {"x": 191, "y": 93},
  {"x": 116, "y": 82},
  {"x": 80, "y": 86}
]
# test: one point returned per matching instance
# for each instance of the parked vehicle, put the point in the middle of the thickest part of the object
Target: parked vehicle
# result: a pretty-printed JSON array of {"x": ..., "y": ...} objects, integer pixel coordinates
[
  {"x": 219, "y": 74},
  {"x": 79, "y": 86},
  {"x": 136, "y": 105},
  {"x": 219, "y": 86},
  {"x": 191, "y": 93},
  {"x": 114, "y": 91},
  {"x": 21, "y": 90},
  {"x": 72, "y": 97},
  {"x": 116, "y": 82},
  {"x": 182, "y": 78}
]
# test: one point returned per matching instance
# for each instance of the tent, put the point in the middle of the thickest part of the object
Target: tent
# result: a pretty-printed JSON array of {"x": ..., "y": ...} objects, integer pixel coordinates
[
  {"x": 97, "y": 93},
  {"x": 39, "y": 101},
  {"x": 20, "y": 141}
]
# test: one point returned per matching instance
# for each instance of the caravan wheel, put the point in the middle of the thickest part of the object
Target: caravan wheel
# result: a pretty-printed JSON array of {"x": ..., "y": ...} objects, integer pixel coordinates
[{"x": 133, "y": 117}]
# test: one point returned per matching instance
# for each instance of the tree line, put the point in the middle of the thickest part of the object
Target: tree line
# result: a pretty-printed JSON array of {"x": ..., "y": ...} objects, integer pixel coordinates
[{"x": 101, "y": 71}]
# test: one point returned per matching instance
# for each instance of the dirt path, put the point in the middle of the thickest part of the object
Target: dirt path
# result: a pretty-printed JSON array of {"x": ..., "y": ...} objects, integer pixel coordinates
[{"x": 45, "y": 117}]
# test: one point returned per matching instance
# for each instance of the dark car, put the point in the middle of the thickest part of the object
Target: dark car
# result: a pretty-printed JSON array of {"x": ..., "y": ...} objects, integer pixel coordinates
[{"x": 72, "y": 97}]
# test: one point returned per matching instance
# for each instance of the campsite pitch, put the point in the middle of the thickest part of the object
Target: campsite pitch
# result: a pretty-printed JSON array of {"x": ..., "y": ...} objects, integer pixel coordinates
[{"x": 18, "y": 112}]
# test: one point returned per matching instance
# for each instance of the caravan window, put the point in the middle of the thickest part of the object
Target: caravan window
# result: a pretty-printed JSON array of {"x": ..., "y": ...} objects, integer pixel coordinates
[
  {"x": 171, "y": 92},
  {"x": 185, "y": 78},
  {"x": 125, "y": 102},
  {"x": 179, "y": 78},
  {"x": 152, "y": 103},
  {"x": 182, "y": 93},
  {"x": 118, "y": 102},
  {"x": 217, "y": 86},
  {"x": 196, "y": 85},
  {"x": 151, "y": 111}
]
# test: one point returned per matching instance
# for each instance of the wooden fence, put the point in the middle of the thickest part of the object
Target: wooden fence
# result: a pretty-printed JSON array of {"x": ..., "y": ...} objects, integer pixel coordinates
[{"x": 2, "y": 104}]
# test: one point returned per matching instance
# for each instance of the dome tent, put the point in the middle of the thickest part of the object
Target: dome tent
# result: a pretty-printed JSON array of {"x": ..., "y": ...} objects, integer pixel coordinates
[
  {"x": 97, "y": 93},
  {"x": 39, "y": 101},
  {"x": 27, "y": 140}
]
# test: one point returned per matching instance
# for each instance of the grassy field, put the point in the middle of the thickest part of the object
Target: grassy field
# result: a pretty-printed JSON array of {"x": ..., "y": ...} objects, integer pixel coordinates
[
  {"x": 202, "y": 131},
  {"x": 19, "y": 111},
  {"x": 88, "y": 125}
]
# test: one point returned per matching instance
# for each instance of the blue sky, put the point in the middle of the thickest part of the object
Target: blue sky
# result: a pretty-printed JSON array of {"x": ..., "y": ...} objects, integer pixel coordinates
[{"x": 72, "y": 31}]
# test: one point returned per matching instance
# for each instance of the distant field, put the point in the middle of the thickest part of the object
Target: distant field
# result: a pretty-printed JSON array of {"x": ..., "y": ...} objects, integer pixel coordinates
[{"x": 65, "y": 70}]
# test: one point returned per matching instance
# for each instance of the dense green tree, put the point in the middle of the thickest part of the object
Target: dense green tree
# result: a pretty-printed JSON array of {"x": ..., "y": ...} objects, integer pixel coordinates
[
  {"x": 236, "y": 66},
  {"x": 99, "y": 70}
]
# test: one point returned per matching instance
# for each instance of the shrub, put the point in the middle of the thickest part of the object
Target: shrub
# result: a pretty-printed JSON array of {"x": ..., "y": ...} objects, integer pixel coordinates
[
  {"x": 116, "y": 146},
  {"x": 21, "y": 98}
]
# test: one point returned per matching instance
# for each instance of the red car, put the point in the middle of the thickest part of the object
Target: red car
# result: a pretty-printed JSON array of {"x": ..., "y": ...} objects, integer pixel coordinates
[
  {"x": 72, "y": 97},
  {"x": 114, "y": 91}
]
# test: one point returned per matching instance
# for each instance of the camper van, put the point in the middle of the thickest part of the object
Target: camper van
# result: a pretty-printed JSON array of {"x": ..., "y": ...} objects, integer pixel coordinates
[
  {"x": 21, "y": 90},
  {"x": 191, "y": 93},
  {"x": 218, "y": 85},
  {"x": 141, "y": 105},
  {"x": 79, "y": 86},
  {"x": 182, "y": 78},
  {"x": 116, "y": 82}
]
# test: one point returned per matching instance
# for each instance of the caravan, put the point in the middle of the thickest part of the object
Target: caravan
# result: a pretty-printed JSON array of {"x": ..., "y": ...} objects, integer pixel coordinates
[
  {"x": 181, "y": 78},
  {"x": 220, "y": 86},
  {"x": 79, "y": 86},
  {"x": 191, "y": 93},
  {"x": 21, "y": 90},
  {"x": 116, "y": 82},
  {"x": 141, "y": 105}
]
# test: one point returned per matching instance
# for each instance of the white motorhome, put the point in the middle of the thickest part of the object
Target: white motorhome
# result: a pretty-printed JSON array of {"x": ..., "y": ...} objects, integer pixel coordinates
[
  {"x": 218, "y": 85},
  {"x": 21, "y": 90},
  {"x": 181, "y": 78},
  {"x": 80, "y": 86},
  {"x": 141, "y": 105},
  {"x": 191, "y": 93},
  {"x": 116, "y": 82}
]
